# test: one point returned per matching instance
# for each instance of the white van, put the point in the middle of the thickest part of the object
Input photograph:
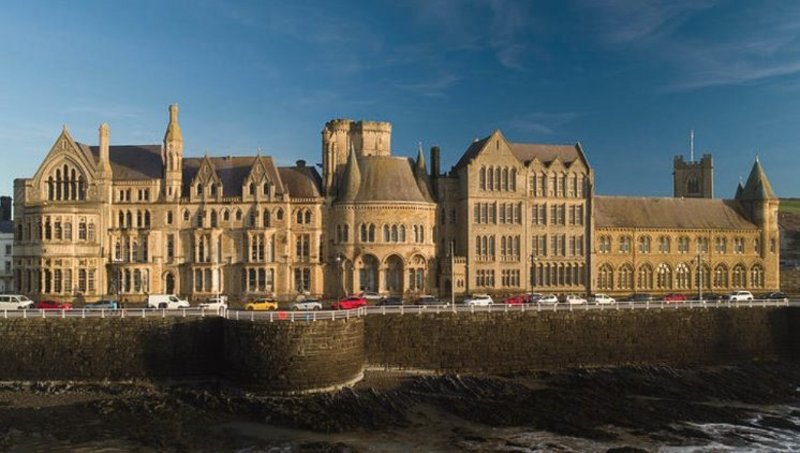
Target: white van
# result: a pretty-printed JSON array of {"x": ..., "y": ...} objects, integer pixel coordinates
[
  {"x": 14, "y": 302},
  {"x": 168, "y": 301}
]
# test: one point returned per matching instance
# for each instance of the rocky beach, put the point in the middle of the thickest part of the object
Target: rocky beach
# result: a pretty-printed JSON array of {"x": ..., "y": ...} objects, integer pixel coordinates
[{"x": 611, "y": 409}]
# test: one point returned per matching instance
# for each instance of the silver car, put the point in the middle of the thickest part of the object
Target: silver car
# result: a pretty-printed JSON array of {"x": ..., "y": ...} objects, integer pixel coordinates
[{"x": 306, "y": 305}]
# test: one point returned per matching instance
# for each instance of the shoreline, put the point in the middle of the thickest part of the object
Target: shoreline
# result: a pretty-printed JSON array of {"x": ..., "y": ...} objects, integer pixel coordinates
[{"x": 631, "y": 406}]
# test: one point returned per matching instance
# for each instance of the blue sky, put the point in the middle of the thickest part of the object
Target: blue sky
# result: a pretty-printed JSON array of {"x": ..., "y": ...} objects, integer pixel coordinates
[{"x": 626, "y": 78}]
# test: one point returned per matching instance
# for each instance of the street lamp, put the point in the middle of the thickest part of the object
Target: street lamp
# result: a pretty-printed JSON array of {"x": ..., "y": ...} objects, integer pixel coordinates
[
  {"x": 338, "y": 277},
  {"x": 699, "y": 274}
]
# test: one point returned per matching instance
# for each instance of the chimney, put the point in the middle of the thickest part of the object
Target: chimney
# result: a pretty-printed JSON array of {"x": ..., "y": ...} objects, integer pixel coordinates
[
  {"x": 105, "y": 163},
  {"x": 435, "y": 161},
  {"x": 5, "y": 209},
  {"x": 301, "y": 163}
]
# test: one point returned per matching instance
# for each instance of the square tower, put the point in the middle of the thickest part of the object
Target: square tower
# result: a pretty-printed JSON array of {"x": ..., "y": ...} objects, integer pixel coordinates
[{"x": 694, "y": 179}]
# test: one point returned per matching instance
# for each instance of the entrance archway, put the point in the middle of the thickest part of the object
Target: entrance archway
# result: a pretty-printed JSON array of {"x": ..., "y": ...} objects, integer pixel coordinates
[
  {"x": 394, "y": 274},
  {"x": 368, "y": 274}
]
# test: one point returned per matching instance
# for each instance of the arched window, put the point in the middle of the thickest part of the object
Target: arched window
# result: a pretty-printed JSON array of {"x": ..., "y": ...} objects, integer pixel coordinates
[
  {"x": 226, "y": 215},
  {"x": 394, "y": 233},
  {"x": 482, "y": 178},
  {"x": 664, "y": 280},
  {"x": 386, "y": 233},
  {"x": 300, "y": 216},
  {"x": 490, "y": 179},
  {"x": 346, "y": 233},
  {"x": 213, "y": 189},
  {"x": 663, "y": 244},
  {"x": 644, "y": 244},
  {"x": 720, "y": 276},
  {"x": 199, "y": 189},
  {"x": 279, "y": 214},
  {"x": 185, "y": 215},
  {"x": 682, "y": 276},
  {"x": 364, "y": 233},
  {"x": 307, "y": 217},
  {"x": 756, "y": 276},
  {"x": 238, "y": 215},
  {"x": 402, "y": 233},
  {"x": 625, "y": 277},
  {"x": 605, "y": 278},
  {"x": 513, "y": 179},
  {"x": 372, "y": 233},
  {"x": 738, "y": 276},
  {"x": 265, "y": 188},
  {"x": 252, "y": 188},
  {"x": 505, "y": 179},
  {"x": 645, "y": 277},
  {"x": 266, "y": 218},
  {"x": 147, "y": 219},
  {"x": 213, "y": 219}
]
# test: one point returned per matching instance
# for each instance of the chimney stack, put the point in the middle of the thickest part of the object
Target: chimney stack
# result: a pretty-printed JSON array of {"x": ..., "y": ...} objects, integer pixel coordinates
[
  {"x": 435, "y": 161},
  {"x": 105, "y": 162}
]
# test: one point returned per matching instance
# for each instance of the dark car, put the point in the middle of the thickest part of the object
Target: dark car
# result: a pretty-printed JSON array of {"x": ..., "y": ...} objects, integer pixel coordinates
[
  {"x": 712, "y": 297},
  {"x": 778, "y": 295},
  {"x": 428, "y": 300},
  {"x": 392, "y": 301},
  {"x": 52, "y": 305},
  {"x": 102, "y": 305},
  {"x": 641, "y": 297}
]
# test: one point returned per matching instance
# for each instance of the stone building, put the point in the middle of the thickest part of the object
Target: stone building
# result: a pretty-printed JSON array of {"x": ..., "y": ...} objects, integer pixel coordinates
[
  {"x": 129, "y": 220},
  {"x": 6, "y": 246}
]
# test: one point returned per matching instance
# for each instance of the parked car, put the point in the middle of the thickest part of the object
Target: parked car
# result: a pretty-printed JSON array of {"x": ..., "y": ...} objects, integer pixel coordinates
[
  {"x": 674, "y": 298},
  {"x": 641, "y": 297},
  {"x": 217, "y": 303},
  {"x": 519, "y": 299},
  {"x": 479, "y": 300},
  {"x": 713, "y": 297},
  {"x": 261, "y": 304},
  {"x": 102, "y": 305},
  {"x": 53, "y": 305},
  {"x": 306, "y": 305},
  {"x": 166, "y": 301},
  {"x": 548, "y": 299},
  {"x": 369, "y": 296},
  {"x": 603, "y": 299},
  {"x": 15, "y": 302},
  {"x": 349, "y": 303},
  {"x": 778, "y": 295},
  {"x": 740, "y": 296},
  {"x": 392, "y": 301},
  {"x": 428, "y": 300},
  {"x": 534, "y": 297},
  {"x": 572, "y": 299}
]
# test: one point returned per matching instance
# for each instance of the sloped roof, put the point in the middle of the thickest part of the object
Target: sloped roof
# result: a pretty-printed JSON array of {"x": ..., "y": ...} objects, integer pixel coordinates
[
  {"x": 302, "y": 182},
  {"x": 757, "y": 186},
  {"x": 675, "y": 213},
  {"x": 525, "y": 152},
  {"x": 232, "y": 171},
  {"x": 130, "y": 162},
  {"x": 387, "y": 178}
]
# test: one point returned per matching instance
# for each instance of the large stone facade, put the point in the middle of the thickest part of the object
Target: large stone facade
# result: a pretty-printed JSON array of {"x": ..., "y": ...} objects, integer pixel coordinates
[{"x": 136, "y": 219}]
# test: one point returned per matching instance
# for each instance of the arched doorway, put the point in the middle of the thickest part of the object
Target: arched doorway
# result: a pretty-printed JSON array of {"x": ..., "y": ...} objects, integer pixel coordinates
[
  {"x": 394, "y": 275},
  {"x": 169, "y": 283},
  {"x": 368, "y": 274}
]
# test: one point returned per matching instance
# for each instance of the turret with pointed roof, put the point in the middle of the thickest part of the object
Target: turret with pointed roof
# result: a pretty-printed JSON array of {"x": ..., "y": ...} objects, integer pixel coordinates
[
  {"x": 351, "y": 179},
  {"x": 421, "y": 175},
  {"x": 757, "y": 186}
]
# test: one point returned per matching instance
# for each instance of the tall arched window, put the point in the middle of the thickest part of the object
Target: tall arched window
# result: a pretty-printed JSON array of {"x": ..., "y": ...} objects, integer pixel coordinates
[
  {"x": 605, "y": 278},
  {"x": 386, "y": 233},
  {"x": 625, "y": 277},
  {"x": 757, "y": 276},
  {"x": 682, "y": 276},
  {"x": 664, "y": 280},
  {"x": 739, "y": 276},
  {"x": 482, "y": 178},
  {"x": 645, "y": 277},
  {"x": 720, "y": 276},
  {"x": 266, "y": 219}
]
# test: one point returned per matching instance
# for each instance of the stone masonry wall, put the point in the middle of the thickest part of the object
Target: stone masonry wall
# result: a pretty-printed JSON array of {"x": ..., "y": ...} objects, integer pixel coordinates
[
  {"x": 514, "y": 341},
  {"x": 294, "y": 357},
  {"x": 113, "y": 349}
]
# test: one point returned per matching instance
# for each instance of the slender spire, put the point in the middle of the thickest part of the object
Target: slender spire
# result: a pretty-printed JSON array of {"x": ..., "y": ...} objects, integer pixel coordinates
[
  {"x": 351, "y": 179},
  {"x": 757, "y": 186},
  {"x": 421, "y": 159},
  {"x": 173, "y": 129}
]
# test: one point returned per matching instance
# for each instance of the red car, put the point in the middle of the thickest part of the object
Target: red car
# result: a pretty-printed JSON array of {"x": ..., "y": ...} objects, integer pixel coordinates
[
  {"x": 349, "y": 303},
  {"x": 52, "y": 305},
  {"x": 520, "y": 299},
  {"x": 674, "y": 298}
]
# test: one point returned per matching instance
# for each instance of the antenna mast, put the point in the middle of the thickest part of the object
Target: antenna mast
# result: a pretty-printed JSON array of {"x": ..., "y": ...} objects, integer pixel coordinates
[{"x": 691, "y": 145}]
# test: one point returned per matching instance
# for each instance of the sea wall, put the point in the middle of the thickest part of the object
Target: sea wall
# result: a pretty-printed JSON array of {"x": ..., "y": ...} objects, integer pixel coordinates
[
  {"x": 294, "y": 357},
  {"x": 516, "y": 341},
  {"x": 113, "y": 348}
]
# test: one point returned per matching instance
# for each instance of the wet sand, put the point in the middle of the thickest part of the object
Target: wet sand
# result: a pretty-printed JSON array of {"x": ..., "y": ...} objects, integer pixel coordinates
[{"x": 624, "y": 408}]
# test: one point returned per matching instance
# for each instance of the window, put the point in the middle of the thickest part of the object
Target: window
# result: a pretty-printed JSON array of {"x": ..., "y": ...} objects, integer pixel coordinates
[
  {"x": 663, "y": 244},
  {"x": 302, "y": 279},
  {"x": 169, "y": 217},
  {"x": 702, "y": 245},
  {"x": 625, "y": 244},
  {"x": 720, "y": 245},
  {"x": 738, "y": 245},
  {"x": 303, "y": 247},
  {"x": 199, "y": 190},
  {"x": 683, "y": 244},
  {"x": 644, "y": 244},
  {"x": 664, "y": 280}
]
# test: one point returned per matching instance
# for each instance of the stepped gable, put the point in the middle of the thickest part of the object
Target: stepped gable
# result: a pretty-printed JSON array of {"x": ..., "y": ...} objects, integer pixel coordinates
[
  {"x": 669, "y": 213},
  {"x": 301, "y": 181},
  {"x": 130, "y": 162},
  {"x": 232, "y": 171}
]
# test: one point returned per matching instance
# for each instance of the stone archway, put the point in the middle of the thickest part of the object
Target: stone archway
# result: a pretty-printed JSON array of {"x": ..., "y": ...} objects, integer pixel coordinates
[
  {"x": 394, "y": 275},
  {"x": 169, "y": 283},
  {"x": 368, "y": 273}
]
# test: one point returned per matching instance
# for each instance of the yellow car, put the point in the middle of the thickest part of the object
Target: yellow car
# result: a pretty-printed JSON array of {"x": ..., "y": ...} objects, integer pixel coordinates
[{"x": 262, "y": 304}]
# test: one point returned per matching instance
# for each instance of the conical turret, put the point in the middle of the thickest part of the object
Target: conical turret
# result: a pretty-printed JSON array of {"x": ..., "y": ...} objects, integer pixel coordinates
[
  {"x": 757, "y": 186},
  {"x": 739, "y": 191},
  {"x": 421, "y": 175},
  {"x": 351, "y": 180}
]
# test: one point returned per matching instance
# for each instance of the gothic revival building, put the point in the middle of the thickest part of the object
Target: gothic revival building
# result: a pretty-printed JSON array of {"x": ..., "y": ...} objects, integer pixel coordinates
[{"x": 129, "y": 220}]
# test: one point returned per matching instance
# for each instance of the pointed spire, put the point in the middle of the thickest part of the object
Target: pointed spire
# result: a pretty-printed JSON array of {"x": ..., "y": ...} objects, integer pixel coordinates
[
  {"x": 757, "y": 187},
  {"x": 421, "y": 160},
  {"x": 351, "y": 179},
  {"x": 739, "y": 190},
  {"x": 173, "y": 128}
]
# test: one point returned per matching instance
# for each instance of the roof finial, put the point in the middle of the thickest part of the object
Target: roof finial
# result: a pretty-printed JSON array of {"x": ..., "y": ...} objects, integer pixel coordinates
[
  {"x": 258, "y": 151},
  {"x": 757, "y": 158},
  {"x": 691, "y": 145}
]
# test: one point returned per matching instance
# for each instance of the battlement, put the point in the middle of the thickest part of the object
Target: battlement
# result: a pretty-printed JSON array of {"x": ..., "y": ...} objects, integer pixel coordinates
[{"x": 705, "y": 161}]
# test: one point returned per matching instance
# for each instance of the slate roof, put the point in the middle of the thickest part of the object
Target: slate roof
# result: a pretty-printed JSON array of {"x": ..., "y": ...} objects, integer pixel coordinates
[
  {"x": 130, "y": 162},
  {"x": 672, "y": 213},
  {"x": 525, "y": 152},
  {"x": 757, "y": 186},
  {"x": 232, "y": 171},
  {"x": 302, "y": 182},
  {"x": 386, "y": 178}
]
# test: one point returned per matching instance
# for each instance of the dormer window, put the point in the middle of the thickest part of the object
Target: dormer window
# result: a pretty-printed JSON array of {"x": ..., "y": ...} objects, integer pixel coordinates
[
  {"x": 252, "y": 189},
  {"x": 213, "y": 189},
  {"x": 199, "y": 190},
  {"x": 266, "y": 188}
]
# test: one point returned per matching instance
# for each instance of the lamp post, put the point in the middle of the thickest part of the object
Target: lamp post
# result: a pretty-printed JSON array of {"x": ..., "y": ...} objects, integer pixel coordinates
[
  {"x": 699, "y": 274},
  {"x": 532, "y": 268},
  {"x": 338, "y": 277}
]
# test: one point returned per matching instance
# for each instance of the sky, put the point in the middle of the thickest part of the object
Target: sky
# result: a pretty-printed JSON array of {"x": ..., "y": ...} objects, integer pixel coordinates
[{"x": 628, "y": 79}]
